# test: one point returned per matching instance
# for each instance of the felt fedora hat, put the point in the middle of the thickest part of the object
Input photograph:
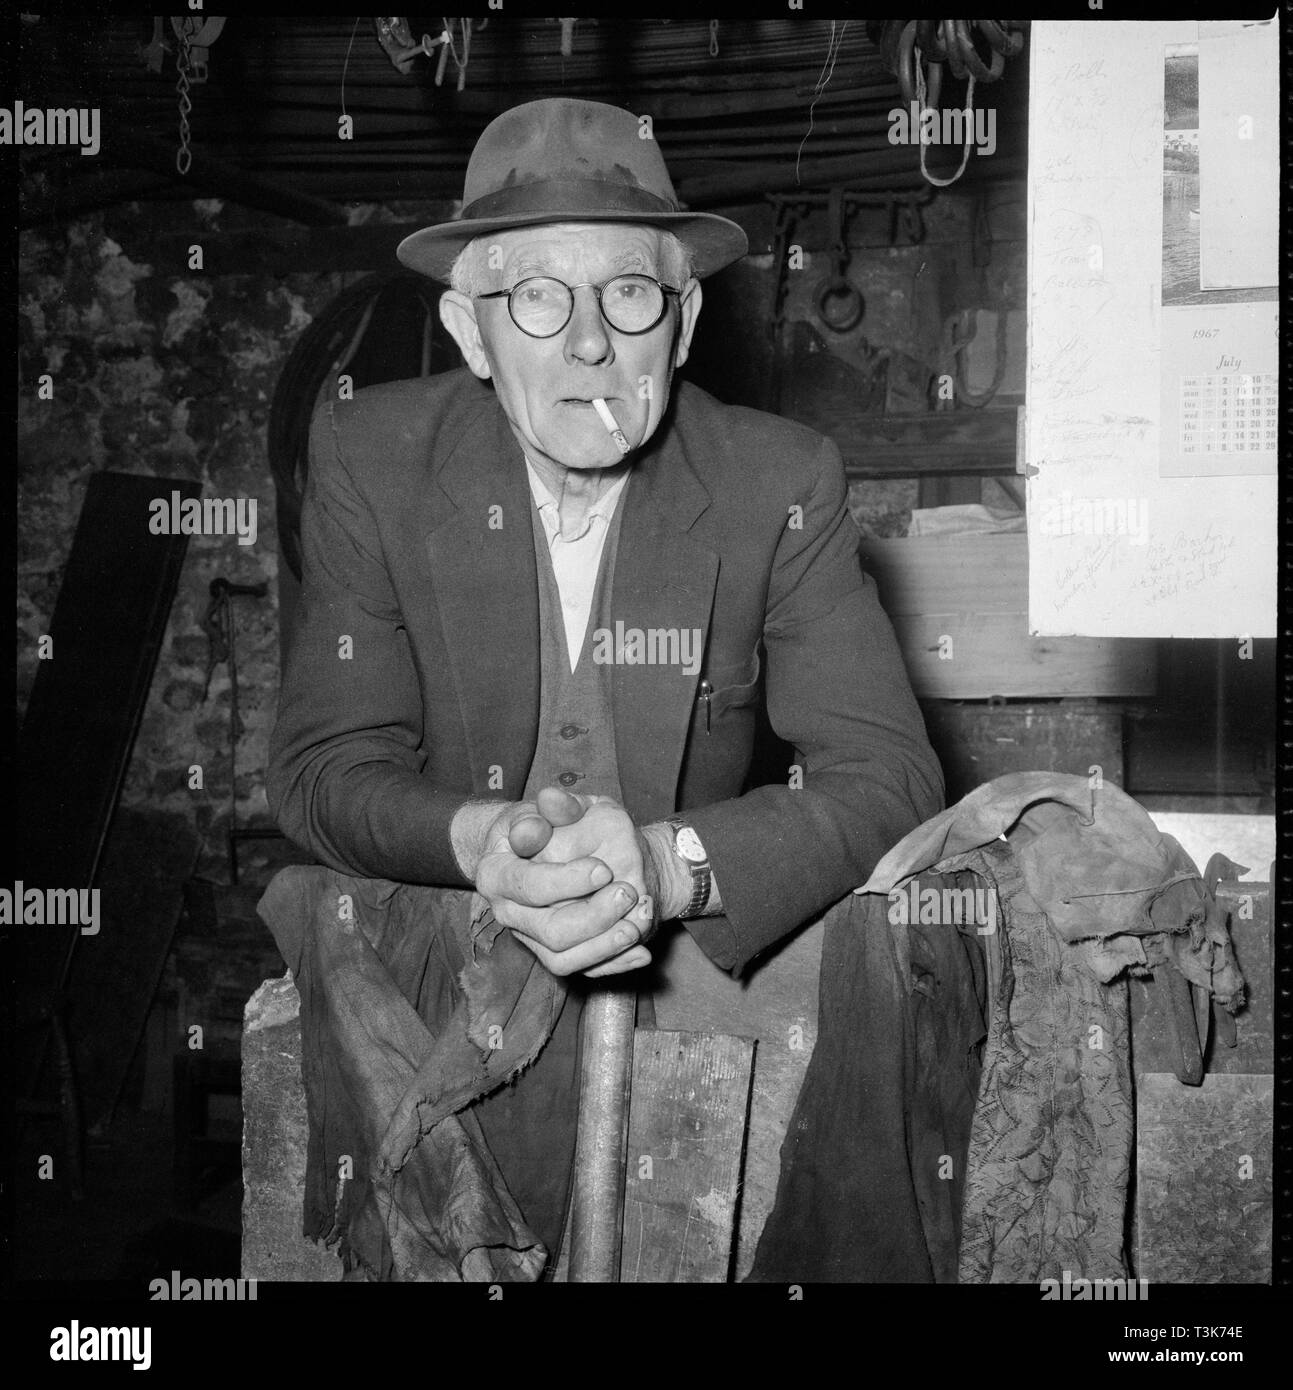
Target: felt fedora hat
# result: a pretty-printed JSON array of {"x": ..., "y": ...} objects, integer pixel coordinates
[{"x": 561, "y": 160}]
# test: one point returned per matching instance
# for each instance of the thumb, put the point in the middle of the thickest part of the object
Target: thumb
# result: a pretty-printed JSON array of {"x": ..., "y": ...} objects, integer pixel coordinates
[
  {"x": 561, "y": 807},
  {"x": 528, "y": 834}
]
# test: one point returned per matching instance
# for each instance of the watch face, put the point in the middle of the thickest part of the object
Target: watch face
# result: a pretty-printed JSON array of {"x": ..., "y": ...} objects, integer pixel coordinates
[{"x": 689, "y": 845}]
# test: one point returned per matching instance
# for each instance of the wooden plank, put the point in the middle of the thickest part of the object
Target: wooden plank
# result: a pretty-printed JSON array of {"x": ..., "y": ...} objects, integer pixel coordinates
[
  {"x": 108, "y": 626},
  {"x": 919, "y": 463},
  {"x": 978, "y": 442},
  {"x": 976, "y": 743},
  {"x": 695, "y": 133},
  {"x": 950, "y": 574},
  {"x": 776, "y": 1004},
  {"x": 288, "y": 250},
  {"x": 690, "y": 1099},
  {"x": 876, "y": 168},
  {"x": 126, "y": 143},
  {"x": 146, "y": 861},
  {"x": 63, "y": 199},
  {"x": 297, "y": 249},
  {"x": 1203, "y": 1214},
  {"x": 1174, "y": 754},
  {"x": 992, "y": 654},
  {"x": 974, "y": 590}
]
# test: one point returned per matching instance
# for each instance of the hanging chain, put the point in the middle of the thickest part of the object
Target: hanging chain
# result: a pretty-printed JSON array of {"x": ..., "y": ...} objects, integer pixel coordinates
[
  {"x": 713, "y": 38},
  {"x": 183, "y": 156}
]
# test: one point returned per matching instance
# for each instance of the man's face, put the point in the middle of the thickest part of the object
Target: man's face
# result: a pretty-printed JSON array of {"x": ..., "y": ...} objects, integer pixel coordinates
[{"x": 545, "y": 384}]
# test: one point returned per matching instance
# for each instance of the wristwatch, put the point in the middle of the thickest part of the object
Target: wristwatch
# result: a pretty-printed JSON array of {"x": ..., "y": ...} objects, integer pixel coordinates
[{"x": 688, "y": 848}]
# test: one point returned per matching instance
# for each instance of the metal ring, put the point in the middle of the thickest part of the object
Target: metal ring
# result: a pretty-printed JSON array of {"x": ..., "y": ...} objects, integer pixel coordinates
[
  {"x": 839, "y": 287},
  {"x": 948, "y": 34},
  {"x": 1008, "y": 42},
  {"x": 969, "y": 57},
  {"x": 906, "y": 70},
  {"x": 984, "y": 72},
  {"x": 995, "y": 35},
  {"x": 887, "y": 42},
  {"x": 933, "y": 82},
  {"x": 930, "y": 43}
]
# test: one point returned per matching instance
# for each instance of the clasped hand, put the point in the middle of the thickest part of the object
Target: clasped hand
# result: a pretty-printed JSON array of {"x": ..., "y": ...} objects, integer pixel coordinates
[{"x": 572, "y": 877}]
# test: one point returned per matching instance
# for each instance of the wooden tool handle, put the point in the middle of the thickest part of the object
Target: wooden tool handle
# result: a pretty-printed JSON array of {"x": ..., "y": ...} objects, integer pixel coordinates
[{"x": 597, "y": 1202}]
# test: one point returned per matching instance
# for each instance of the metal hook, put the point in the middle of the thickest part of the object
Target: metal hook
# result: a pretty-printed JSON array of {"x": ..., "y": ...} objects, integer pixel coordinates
[{"x": 839, "y": 302}]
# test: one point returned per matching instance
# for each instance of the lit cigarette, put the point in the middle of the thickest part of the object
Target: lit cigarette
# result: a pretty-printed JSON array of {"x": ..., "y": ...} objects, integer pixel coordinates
[{"x": 612, "y": 425}]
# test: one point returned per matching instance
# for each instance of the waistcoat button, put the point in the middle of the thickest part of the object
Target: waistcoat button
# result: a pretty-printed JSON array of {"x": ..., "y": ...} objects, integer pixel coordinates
[{"x": 568, "y": 779}]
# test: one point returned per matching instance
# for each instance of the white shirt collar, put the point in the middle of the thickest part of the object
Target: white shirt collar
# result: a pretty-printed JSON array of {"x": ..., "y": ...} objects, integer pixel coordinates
[{"x": 602, "y": 510}]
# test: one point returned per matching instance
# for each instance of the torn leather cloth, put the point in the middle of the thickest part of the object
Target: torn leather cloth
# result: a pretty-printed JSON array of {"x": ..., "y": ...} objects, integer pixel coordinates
[
  {"x": 414, "y": 1004},
  {"x": 872, "y": 1166},
  {"x": 1086, "y": 887}
]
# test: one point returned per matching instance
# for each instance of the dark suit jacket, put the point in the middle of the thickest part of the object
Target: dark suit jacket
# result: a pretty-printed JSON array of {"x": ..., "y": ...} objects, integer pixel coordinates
[{"x": 412, "y": 682}]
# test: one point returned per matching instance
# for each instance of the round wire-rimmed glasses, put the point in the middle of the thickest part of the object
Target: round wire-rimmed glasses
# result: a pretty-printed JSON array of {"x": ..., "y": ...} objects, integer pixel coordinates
[{"x": 541, "y": 305}]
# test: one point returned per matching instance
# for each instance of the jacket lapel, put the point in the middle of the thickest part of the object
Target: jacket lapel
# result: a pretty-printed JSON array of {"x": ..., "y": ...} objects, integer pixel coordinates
[
  {"x": 481, "y": 550},
  {"x": 664, "y": 579}
]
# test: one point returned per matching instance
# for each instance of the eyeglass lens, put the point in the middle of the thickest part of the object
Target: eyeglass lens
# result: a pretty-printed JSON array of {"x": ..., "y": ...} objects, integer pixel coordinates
[{"x": 542, "y": 306}]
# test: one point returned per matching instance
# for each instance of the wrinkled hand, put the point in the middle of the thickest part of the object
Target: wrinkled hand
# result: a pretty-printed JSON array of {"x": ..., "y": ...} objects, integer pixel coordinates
[
  {"x": 568, "y": 875},
  {"x": 569, "y": 826}
]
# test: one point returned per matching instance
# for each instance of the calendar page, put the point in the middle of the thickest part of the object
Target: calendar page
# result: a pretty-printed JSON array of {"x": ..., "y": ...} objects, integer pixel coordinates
[{"x": 1220, "y": 390}]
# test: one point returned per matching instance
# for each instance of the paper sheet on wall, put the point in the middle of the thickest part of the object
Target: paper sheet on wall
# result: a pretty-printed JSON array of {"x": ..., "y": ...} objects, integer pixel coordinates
[{"x": 1115, "y": 549}]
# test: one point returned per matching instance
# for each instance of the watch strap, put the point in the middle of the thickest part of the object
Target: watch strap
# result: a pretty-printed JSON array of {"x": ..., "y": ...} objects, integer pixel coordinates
[{"x": 701, "y": 873}]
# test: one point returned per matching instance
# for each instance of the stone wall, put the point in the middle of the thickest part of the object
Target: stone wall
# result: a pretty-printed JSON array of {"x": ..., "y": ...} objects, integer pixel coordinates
[{"x": 174, "y": 377}]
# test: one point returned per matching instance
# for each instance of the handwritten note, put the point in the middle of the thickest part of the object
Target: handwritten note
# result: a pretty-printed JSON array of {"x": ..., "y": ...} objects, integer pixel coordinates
[{"x": 1115, "y": 549}]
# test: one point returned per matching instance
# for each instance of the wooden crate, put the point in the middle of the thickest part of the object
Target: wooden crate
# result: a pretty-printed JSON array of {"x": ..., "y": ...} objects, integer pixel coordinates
[
  {"x": 980, "y": 741},
  {"x": 959, "y": 605}
]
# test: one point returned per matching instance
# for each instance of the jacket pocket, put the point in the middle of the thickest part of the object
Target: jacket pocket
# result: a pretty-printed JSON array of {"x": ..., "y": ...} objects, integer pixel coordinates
[{"x": 730, "y": 687}]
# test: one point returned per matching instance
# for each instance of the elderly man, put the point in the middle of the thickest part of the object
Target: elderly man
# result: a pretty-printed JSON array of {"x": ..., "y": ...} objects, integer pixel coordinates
[{"x": 542, "y": 601}]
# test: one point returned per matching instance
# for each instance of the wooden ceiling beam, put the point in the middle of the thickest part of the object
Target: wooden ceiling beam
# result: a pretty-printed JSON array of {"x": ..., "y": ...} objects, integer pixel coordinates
[
  {"x": 62, "y": 201},
  {"x": 279, "y": 251},
  {"x": 125, "y": 146},
  {"x": 220, "y": 179}
]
